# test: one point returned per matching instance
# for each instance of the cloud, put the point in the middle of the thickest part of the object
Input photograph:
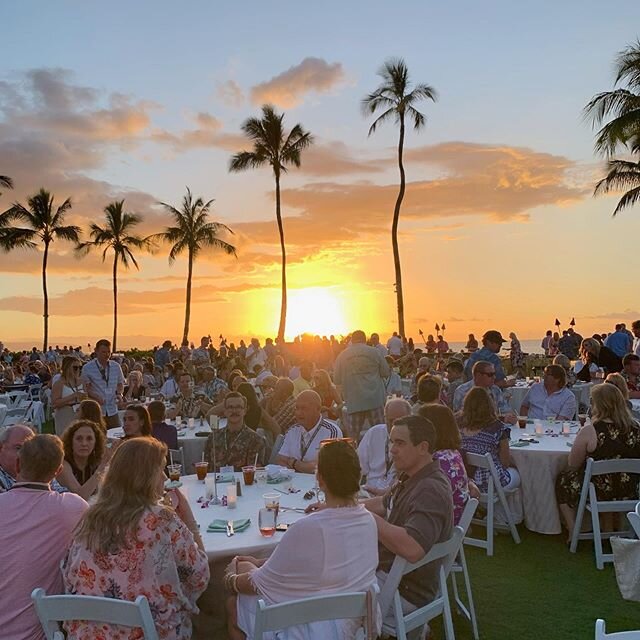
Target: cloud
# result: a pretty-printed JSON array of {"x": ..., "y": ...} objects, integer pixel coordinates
[
  {"x": 289, "y": 88},
  {"x": 334, "y": 158},
  {"x": 230, "y": 93},
  {"x": 627, "y": 314},
  {"x": 98, "y": 301}
]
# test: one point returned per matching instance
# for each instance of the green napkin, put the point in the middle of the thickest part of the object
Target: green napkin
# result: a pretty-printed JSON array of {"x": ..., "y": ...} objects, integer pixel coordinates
[
  {"x": 278, "y": 480},
  {"x": 520, "y": 444},
  {"x": 220, "y": 526}
]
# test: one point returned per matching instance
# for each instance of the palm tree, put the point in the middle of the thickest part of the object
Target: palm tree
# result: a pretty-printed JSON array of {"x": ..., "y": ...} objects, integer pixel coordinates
[
  {"x": 273, "y": 146},
  {"x": 45, "y": 224},
  {"x": 192, "y": 233},
  {"x": 6, "y": 182},
  {"x": 117, "y": 236},
  {"x": 397, "y": 100},
  {"x": 622, "y": 131}
]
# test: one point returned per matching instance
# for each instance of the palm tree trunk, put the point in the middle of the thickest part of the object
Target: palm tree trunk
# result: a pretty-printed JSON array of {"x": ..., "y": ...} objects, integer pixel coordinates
[
  {"x": 187, "y": 311},
  {"x": 394, "y": 232},
  {"x": 45, "y": 295},
  {"x": 115, "y": 303},
  {"x": 283, "y": 302}
]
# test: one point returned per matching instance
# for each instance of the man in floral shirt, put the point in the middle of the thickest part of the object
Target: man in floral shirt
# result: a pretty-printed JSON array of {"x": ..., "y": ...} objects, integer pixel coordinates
[
  {"x": 236, "y": 445},
  {"x": 188, "y": 405}
]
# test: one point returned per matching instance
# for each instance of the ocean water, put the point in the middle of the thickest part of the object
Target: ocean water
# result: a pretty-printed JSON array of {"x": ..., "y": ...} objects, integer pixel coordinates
[{"x": 528, "y": 346}]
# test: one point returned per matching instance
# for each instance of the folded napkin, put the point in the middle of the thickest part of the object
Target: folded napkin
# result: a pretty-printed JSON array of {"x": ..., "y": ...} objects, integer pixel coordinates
[
  {"x": 220, "y": 526},
  {"x": 278, "y": 479},
  {"x": 225, "y": 477},
  {"x": 519, "y": 444}
]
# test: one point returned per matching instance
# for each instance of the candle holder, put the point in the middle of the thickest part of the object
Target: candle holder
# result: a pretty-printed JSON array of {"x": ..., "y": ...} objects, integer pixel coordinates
[{"x": 215, "y": 499}]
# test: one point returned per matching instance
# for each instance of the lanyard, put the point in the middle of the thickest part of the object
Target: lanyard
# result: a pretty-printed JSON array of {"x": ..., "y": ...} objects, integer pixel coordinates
[
  {"x": 226, "y": 443},
  {"x": 104, "y": 372},
  {"x": 305, "y": 448}
]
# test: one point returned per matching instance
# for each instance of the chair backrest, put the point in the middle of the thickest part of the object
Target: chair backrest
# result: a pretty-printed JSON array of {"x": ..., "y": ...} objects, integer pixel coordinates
[
  {"x": 616, "y": 465},
  {"x": 634, "y": 519},
  {"x": 361, "y": 604},
  {"x": 601, "y": 633},
  {"x": 54, "y": 609},
  {"x": 467, "y": 515},
  {"x": 445, "y": 551},
  {"x": 483, "y": 461},
  {"x": 277, "y": 445}
]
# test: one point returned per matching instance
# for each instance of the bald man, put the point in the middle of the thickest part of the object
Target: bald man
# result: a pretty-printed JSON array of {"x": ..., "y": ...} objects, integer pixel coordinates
[
  {"x": 11, "y": 441},
  {"x": 300, "y": 448},
  {"x": 375, "y": 458}
]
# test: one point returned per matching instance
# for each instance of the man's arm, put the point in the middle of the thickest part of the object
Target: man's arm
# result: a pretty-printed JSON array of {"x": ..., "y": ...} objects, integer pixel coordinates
[
  {"x": 568, "y": 409},
  {"x": 397, "y": 540},
  {"x": 375, "y": 506}
]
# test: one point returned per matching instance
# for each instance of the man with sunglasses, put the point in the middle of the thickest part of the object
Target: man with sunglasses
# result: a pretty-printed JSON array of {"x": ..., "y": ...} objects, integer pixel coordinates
[
  {"x": 484, "y": 375},
  {"x": 104, "y": 382},
  {"x": 491, "y": 344}
]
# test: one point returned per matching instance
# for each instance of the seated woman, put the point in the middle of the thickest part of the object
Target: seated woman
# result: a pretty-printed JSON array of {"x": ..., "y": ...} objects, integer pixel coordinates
[
  {"x": 482, "y": 433},
  {"x": 90, "y": 410},
  {"x": 344, "y": 540},
  {"x": 135, "y": 390},
  {"x": 256, "y": 417},
  {"x": 127, "y": 544},
  {"x": 618, "y": 381},
  {"x": 593, "y": 356},
  {"x": 329, "y": 394},
  {"x": 160, "y": 430},
  {"x": 136, "y": 422},
  {"x": 449, "y": 455},
  {"x": 429, "y": 392},
  {"x": 613, "y": 433}
]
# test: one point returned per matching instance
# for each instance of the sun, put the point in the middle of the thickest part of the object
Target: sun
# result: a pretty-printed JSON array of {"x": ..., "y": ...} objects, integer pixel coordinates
[{"x": 316, "y": 310}]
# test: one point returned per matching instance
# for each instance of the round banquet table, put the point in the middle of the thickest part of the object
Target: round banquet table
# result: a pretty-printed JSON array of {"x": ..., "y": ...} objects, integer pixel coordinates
[
  {"x": 247, "y": 542},
  {"x": 539, "y": 465},
  {"x": 191, "y": 444}
]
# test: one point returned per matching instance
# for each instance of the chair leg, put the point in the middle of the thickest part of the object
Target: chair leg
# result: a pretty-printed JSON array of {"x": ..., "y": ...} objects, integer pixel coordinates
[
  {"x": 467, "y": 585},
  {"x": 595, "y": 524},
  {"x": 490, "y": 517},
  {"x": 449, "y": 633}
]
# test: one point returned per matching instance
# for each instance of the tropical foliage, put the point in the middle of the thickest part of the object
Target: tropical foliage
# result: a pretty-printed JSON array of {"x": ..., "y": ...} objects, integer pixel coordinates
[
  {"x": 273, "y": 146},
  {"x": 397, "y": 99}
]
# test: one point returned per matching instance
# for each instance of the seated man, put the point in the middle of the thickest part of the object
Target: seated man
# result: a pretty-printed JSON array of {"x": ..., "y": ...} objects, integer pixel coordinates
[
  {"x": 11, "y": 441},
  {"x": 281, "y": 404},
  {"x": 483, "y": 375},
  {"x": 416, "y": 513},
  {"x": 304, "y": 380},
  {"x": 455, "y": 377},
  {"x": 212, "y": 386},
  {"x": 37, "y": 524},
  {"x": 550, "y": 398},
  {"x": 631, "y": 374},
  {"x": 188, "y": 405},
  {"x": 160, "y": 430},
  {"x": 300, "y": 448},
  {"x": 236, "y": 445},
  {"x": 373, "y": 450},
  {"x": 429, "y": 389}
]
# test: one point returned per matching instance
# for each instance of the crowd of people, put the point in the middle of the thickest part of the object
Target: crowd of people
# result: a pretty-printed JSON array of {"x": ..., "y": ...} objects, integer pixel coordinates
[{"x": 399, "y": 421}]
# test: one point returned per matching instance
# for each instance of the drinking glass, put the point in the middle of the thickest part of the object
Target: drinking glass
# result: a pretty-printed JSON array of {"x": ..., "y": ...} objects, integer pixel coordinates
[
  {"x": 174, "y": 472},
  {"x": 201, "y": 470},
  {"x": 248, "y": 475},
  {"x": 267, "y": 522}
]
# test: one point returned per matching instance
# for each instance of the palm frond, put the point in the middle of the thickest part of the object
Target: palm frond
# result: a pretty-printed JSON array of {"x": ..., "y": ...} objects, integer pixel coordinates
[
  {"x": 628, "y": 65},
  {"x": 618, "y": 133},
  {"x": 621, "y": 174},
  {"x": 70, "y": 233},
  {"x": 15, "y": 238},
  {"x": 247, "y": 160},
  {"x": 6, "y": 182},
  {"x": 389, "y": 113},
  {"x": 628, "y": 200},
  {"x": 602, "y": 105}
]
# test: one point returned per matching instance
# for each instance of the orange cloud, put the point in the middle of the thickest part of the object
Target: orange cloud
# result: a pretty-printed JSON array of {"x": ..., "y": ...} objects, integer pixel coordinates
[
  {"x": 289, "y": 88},
  {"x": 333, "y": 158}
]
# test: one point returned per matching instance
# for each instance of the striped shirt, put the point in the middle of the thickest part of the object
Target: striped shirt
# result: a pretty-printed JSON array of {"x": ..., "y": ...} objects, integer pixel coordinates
[{"x": 304, "y": 445}]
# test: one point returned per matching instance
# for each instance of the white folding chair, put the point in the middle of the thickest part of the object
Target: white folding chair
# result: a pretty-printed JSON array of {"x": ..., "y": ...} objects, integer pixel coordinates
[
  {"x": 390, "y": 597},
  {"x": 460, "y": 566},
  {"x": 16, "y": 397},
  {"x": 494, "y": 494},
  {"x": 52, "y": 610},
  {"x": 14, "y": 416},
  {"x": 589, "y": 502},
  {"x": 601, "y": 633},
  {"x": 34, "y": 392},
  {"x": 275, "y": 450},
  {"x": 341, "y": 606},
  {"x": 634, "y": 519}
]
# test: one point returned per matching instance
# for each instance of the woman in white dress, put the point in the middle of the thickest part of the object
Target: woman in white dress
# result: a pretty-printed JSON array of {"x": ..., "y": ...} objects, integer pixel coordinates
[
  {"x": 66, "y": 393},
  {"x": 334, "y": 550}
]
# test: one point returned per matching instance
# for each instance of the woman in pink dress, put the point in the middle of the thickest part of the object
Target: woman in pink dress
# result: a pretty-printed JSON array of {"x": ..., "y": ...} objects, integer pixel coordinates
[{"x": 127, "y": 544}]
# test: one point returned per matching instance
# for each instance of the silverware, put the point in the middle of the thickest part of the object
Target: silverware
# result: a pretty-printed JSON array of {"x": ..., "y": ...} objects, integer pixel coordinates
[
  {"x": 230, "y": 530},
  {"x": 298, "y": 509}
]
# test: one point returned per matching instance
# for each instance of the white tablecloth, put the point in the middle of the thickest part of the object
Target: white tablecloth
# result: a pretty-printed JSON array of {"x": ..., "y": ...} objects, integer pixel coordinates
[
  {"x": 248, "y": 542},
  {"x": 539, "y": 465},
  {"x": 515, "y": 395}
]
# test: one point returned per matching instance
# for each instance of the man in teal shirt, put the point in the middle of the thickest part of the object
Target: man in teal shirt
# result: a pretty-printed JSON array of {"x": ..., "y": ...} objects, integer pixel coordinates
[{"x": 360, "y": 371}]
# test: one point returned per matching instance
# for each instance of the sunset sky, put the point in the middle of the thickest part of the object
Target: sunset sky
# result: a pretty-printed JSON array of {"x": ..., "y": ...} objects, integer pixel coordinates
[{"x": 499, "y": 229}]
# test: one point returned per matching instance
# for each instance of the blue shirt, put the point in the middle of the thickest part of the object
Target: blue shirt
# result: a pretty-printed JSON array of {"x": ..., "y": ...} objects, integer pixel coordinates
[
  {"x": 502, "y": 406},
  {"x": 488, "y": 356},
  {"x": 619, "y": 343},
  {"x": 542, "y": 405}
]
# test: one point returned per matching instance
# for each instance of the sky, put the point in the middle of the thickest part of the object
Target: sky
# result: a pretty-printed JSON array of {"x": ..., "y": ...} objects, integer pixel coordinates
[{"x": 499, "y": 227}]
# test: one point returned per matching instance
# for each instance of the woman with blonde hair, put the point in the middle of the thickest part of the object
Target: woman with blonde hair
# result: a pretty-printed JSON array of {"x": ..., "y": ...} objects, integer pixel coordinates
[
  {"x": 594, "y": 356},
  {"x": 85, "y": 458},
  {"x": 612, "y": 433},
  {"x": 135, "y": 390},
  {"x": 482, "y": 433},
  {"x": 328, "y": 393},
  {"x": 66, "y": 393},
  {"x": 518, "y": 359},
  {"x": 128, "y": 543}
]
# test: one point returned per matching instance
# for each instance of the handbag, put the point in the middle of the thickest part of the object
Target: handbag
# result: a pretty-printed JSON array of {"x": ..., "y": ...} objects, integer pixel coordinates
[{"x": 626, "y": 560}]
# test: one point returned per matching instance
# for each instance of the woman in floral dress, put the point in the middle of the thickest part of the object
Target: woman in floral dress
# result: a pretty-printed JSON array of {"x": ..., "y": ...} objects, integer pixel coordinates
[
  {"x": 612, "y": 434},
  {"x": 128, "y": 544},
  {"x": 518, "y": 359}
]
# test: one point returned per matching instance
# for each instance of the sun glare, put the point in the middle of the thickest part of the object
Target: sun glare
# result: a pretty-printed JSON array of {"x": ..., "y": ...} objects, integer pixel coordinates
[{"x": 315, "y": 310}]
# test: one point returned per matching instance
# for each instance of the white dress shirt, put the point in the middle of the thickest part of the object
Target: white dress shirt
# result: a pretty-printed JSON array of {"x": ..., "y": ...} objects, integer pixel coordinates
[
  {"x": 375, "y": 460},
  {"x": 304, "y": 445}
]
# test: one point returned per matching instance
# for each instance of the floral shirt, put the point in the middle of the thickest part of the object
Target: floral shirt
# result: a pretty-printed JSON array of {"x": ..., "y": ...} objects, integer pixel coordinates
[
  {"x": 487, "y": 440},
  {"x": 190, "y": 407},
  {"x": 235, "y": 449},
  {"x": 452, "y": 465},
  {"x": 285, "y": 416},
  {"x": 163, "y": 563},
  {"x": 632, "y": 384}
]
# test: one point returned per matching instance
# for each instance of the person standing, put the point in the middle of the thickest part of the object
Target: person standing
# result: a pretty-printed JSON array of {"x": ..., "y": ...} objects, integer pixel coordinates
[
  {"x": 67, "y": 394},
  {"x": 104, "y": 382},
  {"x": 546, "y": 342},
  {"x": 491, "y": 344},
  {"x": 360, "y": 371}
]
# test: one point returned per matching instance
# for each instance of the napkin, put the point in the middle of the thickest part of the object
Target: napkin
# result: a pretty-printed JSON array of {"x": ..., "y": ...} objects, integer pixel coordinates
[
  {"x": 225, "y": 477},
  {"x": 278, "y": 479},
  {"x": 220, "y": 526},
  {"x": 519, "y": 444}
]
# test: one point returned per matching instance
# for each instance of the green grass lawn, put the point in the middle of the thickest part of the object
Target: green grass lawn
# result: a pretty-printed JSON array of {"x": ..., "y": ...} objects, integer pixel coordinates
[{"x": 538, "y": 590}]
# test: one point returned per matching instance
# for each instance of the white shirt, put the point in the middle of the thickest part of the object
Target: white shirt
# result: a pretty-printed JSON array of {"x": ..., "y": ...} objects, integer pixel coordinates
[
  {"x": 255, "y": 355},
  {"x": 381, "y": 348},
  {"x": 105, "y": 381},
  {"x": 375, "y": 459},
  {"x": 636, "y": 346},
  {"x": 394, "y": 344},
  {"x": 304, "y": 445}
]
